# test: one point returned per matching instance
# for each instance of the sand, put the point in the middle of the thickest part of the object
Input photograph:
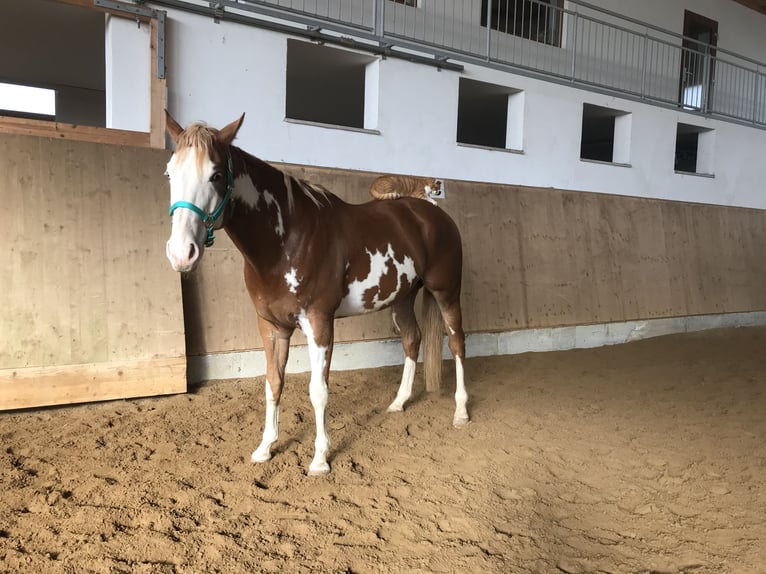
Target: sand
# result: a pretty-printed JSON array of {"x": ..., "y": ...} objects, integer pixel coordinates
[{"x": 641, "y": 458}]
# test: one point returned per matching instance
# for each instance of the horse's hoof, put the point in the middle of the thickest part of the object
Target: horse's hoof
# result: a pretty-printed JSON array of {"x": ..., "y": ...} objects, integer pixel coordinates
[
  {"x": 260, "y": 456},
  {"x": 459, "y": 422},
  {"x": 319, "y": 469},
  {"x": 394, "y": 408}
]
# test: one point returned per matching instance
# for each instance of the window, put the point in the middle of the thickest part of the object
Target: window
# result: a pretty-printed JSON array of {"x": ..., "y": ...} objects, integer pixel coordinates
[
  {"x": 605, "y": 135},
  {"x": 330, "y": 86},
  {"x": 413, "y": 3},
  {"x": 694, "y": 150},
  {"x": 27, "y": 102},
  {"x": 490, "y": 115},
  {"x": 538, "y": 20},
  {"x": 101, "y": 81}
]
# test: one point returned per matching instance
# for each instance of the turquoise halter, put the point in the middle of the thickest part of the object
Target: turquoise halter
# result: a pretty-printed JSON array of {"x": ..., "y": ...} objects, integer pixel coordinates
[{"x": 209, "y": 219}]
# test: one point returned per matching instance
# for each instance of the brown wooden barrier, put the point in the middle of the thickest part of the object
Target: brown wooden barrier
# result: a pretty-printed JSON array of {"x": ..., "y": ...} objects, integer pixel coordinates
[
  {"x": 89, "y": 308},
  {"x": 535, "y": 258}
]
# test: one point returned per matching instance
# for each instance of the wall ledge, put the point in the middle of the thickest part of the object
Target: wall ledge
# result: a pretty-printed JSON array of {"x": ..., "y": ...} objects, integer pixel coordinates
[{"x": 371, "y": 354}]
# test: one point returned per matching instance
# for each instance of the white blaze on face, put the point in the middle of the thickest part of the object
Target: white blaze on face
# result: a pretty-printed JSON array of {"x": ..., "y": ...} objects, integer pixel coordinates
[
  {"x": 291, "y": 277},
  {"x": 189, "y": 181},
  {"x": 380, "y": 265}
]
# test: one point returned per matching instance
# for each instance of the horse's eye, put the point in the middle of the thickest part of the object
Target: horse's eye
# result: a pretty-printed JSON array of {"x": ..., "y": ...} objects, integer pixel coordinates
[{"x": 216, "y": 176}]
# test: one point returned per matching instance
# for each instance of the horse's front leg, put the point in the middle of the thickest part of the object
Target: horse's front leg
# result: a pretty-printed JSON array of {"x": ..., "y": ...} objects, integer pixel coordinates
[
  {"x": 319, "y": 335},
  {"x": 276, "y": 345}
]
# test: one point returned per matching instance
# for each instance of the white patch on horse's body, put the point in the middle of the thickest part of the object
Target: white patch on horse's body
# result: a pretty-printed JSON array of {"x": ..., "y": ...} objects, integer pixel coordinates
[
  {"x": 246, "y": 192},
  {"x": 290, "y": 196},
  {"x": 405, "y": 388},
  {"x": 271, "y": 200},
  {"x": 319, "y": 396},
  {"x": 396, "y": 323},
  {"x": 291, "y": 277},
  {"x": 353, "y": 303}
]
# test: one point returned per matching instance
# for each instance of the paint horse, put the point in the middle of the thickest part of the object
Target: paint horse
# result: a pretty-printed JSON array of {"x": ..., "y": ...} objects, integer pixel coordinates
[{"x": 310, "y": 257}]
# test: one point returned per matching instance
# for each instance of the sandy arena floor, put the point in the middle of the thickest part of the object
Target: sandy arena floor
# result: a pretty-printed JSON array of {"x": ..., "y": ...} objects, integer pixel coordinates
[{"x": 644, "y": 458}]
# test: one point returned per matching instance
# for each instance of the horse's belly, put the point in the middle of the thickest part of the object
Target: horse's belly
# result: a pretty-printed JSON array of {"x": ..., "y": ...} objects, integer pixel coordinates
[{"x": 386, "y": 278}]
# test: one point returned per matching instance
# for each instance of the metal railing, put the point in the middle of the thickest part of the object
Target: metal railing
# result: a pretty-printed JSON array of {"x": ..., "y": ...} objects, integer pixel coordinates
[{"x": 582, "y": 44}]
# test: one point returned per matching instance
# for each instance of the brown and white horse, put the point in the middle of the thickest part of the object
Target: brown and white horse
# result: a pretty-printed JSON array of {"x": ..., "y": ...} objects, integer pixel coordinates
[{"x": 311, "y": 257}]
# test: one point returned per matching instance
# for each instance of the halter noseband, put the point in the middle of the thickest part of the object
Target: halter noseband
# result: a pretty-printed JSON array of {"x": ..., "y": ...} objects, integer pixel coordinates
[{"x": 209, "y": 219}]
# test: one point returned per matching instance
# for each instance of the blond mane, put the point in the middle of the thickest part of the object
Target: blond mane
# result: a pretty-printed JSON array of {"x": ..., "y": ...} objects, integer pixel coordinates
[{"x": 198, "y": 136}]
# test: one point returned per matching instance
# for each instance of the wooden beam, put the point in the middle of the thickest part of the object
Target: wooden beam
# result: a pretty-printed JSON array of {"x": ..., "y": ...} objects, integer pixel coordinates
[
  {"x": 58, "y": 130},
  {"x": 158, "y": 95},
  {"x": 28, "y": 387}
]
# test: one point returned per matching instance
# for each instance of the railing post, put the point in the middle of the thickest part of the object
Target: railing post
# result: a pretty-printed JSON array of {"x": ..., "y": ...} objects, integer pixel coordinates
[
  {"x": 756, "y": 91},
  {"x": 378, "y": 8},
  {"x": 489, "y": 30},
  {"x": 707, "y": 85},
  {"x": 574, "y": 43},
  {"x": 643, "y": 67}
]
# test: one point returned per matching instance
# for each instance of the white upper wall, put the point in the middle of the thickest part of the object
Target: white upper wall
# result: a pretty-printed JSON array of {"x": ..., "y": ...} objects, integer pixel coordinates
[{"x": 217, "y": 71}]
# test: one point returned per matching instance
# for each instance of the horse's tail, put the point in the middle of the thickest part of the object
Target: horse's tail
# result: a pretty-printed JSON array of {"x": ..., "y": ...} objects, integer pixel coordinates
[{"x": 433, "y": 337}]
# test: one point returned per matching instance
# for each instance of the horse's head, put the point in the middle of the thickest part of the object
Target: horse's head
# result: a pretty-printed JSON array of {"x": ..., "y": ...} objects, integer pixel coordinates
[{"x": 201, "y": 181}]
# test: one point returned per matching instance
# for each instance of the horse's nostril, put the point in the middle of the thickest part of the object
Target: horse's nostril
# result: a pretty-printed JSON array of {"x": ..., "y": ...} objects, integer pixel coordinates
[{"x": 193, "y": 252}]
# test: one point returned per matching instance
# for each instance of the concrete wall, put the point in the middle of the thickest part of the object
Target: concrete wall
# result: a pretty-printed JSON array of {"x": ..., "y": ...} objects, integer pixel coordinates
[{"x": 417, "y": 118}]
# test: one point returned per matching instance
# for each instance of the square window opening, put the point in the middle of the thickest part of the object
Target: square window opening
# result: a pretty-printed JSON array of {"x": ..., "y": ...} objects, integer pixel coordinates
[
  {"x": 694, "y": 149},
  {"x": 330, "y": 86},
  {"x": 605, "y": 134},
  {"x": 490, "y": 115},
  {"x": 23, "y": 101}
]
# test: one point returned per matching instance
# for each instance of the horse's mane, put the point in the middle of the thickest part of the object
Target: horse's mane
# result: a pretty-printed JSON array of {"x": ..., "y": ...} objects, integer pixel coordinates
[{"x": 197, "y": 135}]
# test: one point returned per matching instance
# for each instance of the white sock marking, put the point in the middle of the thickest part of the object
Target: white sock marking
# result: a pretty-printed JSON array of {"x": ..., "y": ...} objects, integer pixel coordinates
[
  {"x": 270, "y": 429},
  {"x": 405, "y": 388},
  {"x": 319, "y": 397},
  {"x": 461, "y": 396}
]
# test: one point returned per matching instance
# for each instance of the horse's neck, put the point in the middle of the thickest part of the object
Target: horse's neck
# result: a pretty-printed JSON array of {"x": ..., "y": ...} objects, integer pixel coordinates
[{"x": 270, "y": 207}]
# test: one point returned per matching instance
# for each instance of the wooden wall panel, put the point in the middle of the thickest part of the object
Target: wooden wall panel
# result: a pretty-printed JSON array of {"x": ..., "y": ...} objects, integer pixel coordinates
[
  {"x": 535, "y": 258},
  {"x": 88, "y": 302}
]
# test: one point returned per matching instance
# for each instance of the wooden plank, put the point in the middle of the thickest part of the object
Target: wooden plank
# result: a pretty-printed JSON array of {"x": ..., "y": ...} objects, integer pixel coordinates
[
  {"x": 142, "y": 291},
  {"x": 640, "y": 248},
  {"x": 58, "y": 130},
  {"x": 494, "y": 289},
  {"x": 85, "y": 279},
  {"x": 45, "y": 386},
  {"x": 158, "y": 92},
  {"x": 550, "y": 245}
]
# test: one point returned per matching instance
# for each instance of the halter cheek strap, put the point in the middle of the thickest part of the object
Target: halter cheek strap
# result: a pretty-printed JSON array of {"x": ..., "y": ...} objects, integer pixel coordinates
[{"x": 209, "y": 219}]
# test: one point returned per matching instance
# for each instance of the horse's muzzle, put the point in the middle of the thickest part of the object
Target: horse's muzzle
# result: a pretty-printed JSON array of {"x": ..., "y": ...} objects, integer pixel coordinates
[{"x": 183, "y": 257}]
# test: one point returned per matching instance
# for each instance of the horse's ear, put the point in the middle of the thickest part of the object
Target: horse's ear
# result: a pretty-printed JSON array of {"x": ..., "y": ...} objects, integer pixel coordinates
[
  {"x": 227, "y": 134},
  {"x": 173, "y": 127}
]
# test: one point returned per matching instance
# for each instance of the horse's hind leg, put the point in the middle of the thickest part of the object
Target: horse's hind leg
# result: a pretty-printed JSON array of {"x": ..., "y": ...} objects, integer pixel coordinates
[
  {"x": 405, "y": 322},
  {"x": 276, "y": 344},
  {"x": 453, "y": 321}
]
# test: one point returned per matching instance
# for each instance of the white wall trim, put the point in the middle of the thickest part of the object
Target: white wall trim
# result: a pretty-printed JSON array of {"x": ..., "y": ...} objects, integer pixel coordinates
[{"x": 370, "y": 354}]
